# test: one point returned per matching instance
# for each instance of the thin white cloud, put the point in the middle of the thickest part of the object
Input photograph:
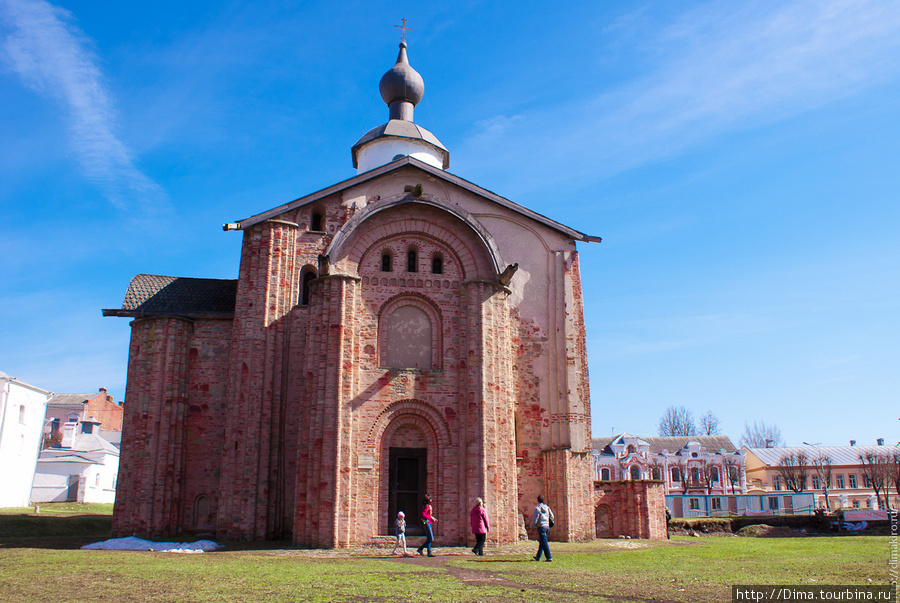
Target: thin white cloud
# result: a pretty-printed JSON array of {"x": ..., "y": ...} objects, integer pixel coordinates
[
  {"x": 55, "y": 58},
  {"x": 719, "y": 68}
]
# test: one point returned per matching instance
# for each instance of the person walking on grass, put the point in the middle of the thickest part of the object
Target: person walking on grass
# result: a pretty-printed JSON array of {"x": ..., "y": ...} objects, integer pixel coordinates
[
  {"x": 480, "y": 525},
  {"x": 400, "y": 522},
  {"x": 427, "y": 519},
  {"x": 542, "y": 519}
]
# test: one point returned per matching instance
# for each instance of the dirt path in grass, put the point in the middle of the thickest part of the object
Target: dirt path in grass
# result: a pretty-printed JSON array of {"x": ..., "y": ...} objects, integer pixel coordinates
[{"x": 474, "y": 576}]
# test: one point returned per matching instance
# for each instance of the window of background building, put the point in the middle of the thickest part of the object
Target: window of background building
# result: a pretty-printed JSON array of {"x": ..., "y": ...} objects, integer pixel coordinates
[
  {"x": 694, "y": 504},
  {"x": 855, "y": 504},
  {"x": 656, "y": 473},
  {"x": 867, "y": 483},
  {"x": 773, "y": 503},
  {"x": 604, "y": 474},
  {"x": 815, "y": 480},
  {"x": 776, "y": 483},
  {"x": 852, "y": 480},
  {"x": 676, "y": 475},
  {"x": 840, "y": 481},
  {"x": 716, "y": 504},
  {"x": 635, "y": 473},
  {"x": 714, "y": 474}
]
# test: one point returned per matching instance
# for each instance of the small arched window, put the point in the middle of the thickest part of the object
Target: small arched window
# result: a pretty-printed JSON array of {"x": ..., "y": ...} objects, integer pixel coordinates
[
  {"x": 386, "y": 261},
  {"x": 604, "y": 474},
  {"x": 437, "y": 264},
  {"x": 412, "y": 260},
  {"x": 631, "y": 449},
  {"x": 317, "y": 221},
  {"x": 635, "y": 472}
]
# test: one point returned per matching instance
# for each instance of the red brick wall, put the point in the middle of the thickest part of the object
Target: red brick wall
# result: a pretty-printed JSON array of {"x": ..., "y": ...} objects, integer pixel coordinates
[
  {"x": 151, "y": 466},
  {"x": 284, "y": 418},
  {"x": 631, "y": 508}
]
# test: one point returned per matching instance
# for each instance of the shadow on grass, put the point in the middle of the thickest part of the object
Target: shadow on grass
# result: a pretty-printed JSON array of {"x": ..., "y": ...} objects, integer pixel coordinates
[{"x": 53, "y": 532}]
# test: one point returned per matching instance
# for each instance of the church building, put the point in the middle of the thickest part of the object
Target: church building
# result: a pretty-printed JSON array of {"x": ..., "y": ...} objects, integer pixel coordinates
[{"x": 399, "y": 334}]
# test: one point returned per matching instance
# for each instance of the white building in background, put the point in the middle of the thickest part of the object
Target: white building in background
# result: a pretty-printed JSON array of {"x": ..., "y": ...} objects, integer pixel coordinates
[
  {"x": 82, "y": 468},
  {"x": 685, "y": 465},
  {"x": 22, "y": 409}
]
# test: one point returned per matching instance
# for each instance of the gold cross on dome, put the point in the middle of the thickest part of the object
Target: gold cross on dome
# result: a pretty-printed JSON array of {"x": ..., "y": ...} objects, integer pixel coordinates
[{"x": 403, "y": 28}]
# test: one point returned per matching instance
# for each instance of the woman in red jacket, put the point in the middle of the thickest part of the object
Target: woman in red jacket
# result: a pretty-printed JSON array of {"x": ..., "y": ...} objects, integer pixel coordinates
[{"x": 480, "y": 525}]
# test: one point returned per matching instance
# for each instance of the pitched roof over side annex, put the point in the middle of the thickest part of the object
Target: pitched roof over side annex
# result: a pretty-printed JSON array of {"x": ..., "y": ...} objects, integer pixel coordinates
[{"x": 156, "y": 295}]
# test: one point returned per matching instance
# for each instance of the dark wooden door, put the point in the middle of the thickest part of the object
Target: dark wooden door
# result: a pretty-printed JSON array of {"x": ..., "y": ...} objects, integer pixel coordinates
[{"x": 407, "y": 482}]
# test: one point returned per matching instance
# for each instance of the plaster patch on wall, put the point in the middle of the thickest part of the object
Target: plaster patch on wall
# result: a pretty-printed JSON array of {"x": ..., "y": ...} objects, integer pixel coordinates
[{"x": 517, "y": 286}]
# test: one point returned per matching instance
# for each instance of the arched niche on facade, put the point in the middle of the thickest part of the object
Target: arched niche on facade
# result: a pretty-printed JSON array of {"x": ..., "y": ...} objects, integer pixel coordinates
[{"x": 409, "y": 334}]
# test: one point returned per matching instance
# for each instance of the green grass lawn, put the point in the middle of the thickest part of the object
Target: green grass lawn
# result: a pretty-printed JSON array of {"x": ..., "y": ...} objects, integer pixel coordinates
[
  {"x": 46, "y": 568},
  {"x": 64, "y": 508}
]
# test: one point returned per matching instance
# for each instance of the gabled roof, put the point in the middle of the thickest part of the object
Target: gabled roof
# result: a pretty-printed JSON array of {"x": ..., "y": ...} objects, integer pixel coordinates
[
  {"x": 839, "y": 455},
  {"x": 713, "y": 444},
  {"x": 433, "y": 171},
  {"x": 155, "y": 295},
  {"x": 69, "y": 399}
]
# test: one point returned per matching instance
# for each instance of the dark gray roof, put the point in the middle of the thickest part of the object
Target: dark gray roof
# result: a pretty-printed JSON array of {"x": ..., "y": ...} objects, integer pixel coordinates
[
  {"x": 400, "y": 128},
  {"x": 712, "y": 444},
  {"x": 69, "y": 399},
  {"x": 156, "y": 295}
]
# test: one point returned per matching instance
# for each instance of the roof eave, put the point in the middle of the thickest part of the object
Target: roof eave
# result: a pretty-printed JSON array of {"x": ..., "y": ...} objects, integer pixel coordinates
[{"x": 394, "y": 165}]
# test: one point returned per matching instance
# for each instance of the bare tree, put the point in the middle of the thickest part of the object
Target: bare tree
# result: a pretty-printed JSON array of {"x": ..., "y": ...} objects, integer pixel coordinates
[
  {"x": 710, "y": 473},
  {"x": 793, "y": 468},
  {"x": 876, "y": 470},
  {"x": 709, "y": 424},
  {"x": 677, "y": 421},
  {"x": 760, "y": 434},
  {"x": 895, "y": 471},
  {"x": 681, "y": 466},
  {"x": 821, "y": 463},
  {"x": 733, "y": 468}
]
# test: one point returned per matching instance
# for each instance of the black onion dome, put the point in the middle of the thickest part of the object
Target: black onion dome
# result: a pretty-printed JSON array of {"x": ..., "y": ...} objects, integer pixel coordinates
[{"x": 402, "y": 82}]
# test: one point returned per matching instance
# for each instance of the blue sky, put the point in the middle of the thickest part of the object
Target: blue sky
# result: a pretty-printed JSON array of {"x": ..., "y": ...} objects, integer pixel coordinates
[{"x": 740, "y": 160}]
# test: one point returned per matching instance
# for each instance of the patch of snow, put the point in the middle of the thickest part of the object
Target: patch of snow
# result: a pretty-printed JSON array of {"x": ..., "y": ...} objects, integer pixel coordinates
[{"x": 132, "y": 543}]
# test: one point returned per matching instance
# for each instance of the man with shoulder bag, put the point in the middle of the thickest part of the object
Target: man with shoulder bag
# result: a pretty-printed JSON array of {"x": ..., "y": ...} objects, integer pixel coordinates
[{"x": 542, "y": 519}]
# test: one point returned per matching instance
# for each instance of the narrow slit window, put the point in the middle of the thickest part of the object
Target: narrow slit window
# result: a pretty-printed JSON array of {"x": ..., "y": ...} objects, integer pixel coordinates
[
  {"x": 386, "y": 262},
  {"x": 315, "y": 222},
  {"x": 437, "y": 265},
  {"x": 304, "y": 292},
  {"x": 411, "y": 261}
]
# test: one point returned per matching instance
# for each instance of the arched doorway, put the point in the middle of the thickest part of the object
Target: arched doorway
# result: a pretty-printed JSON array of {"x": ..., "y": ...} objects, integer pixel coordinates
[
  {"x": 407, "y": 446},
  {"x": 603, "y": 521}
]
